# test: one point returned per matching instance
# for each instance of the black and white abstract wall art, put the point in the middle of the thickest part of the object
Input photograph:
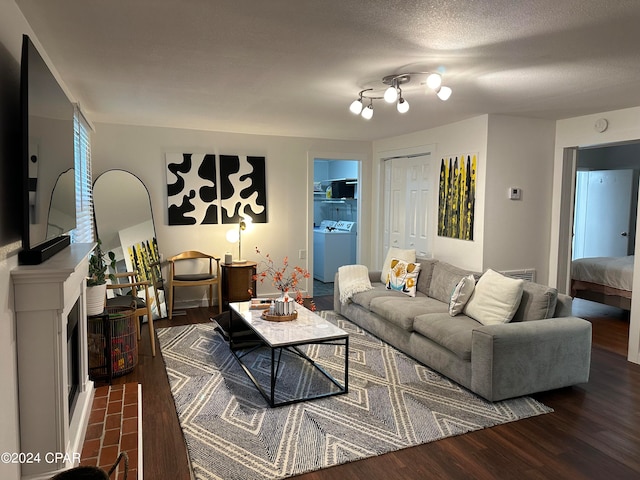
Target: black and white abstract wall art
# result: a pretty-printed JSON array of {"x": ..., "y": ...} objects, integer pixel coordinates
[
  {"x": 242, "y": 188},
  {"x": 210, "y": 189}
]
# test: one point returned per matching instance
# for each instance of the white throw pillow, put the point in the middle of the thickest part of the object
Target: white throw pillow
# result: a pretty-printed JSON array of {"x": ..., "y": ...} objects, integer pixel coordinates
[
  {"x": 403, "y": 277},
  {"x": 495, "y": 298},
  {"x": 461, "y": 295},
  {"x": 408, "y": 255}
]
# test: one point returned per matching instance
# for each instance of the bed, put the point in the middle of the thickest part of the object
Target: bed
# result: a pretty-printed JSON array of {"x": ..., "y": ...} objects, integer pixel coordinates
[{"x": 607, "y": 280}]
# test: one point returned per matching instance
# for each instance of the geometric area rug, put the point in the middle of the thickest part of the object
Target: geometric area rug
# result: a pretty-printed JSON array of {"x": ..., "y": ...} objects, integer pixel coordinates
[{"x": 394, "y": 402}]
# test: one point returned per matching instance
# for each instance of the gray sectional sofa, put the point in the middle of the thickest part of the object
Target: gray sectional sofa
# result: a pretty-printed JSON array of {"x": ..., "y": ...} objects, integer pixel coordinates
[{"x": 542, "y": 348}]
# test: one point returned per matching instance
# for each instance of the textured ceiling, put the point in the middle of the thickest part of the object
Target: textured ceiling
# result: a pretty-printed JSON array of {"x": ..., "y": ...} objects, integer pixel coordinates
[{"x": 292, "y": 67}]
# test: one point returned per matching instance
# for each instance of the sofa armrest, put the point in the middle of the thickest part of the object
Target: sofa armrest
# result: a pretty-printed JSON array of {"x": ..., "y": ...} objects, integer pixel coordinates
[
  {"x": 374, "y": 277},
  {"x": 337, "y": 305},
  {"x": 515, "y": 359}
]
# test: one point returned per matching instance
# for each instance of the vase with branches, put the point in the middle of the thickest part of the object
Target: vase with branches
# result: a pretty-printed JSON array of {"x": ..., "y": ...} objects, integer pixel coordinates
[{"x": 284, "y": 277}]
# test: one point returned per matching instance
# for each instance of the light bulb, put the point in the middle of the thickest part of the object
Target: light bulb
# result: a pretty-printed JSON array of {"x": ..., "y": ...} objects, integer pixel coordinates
[
  {"x": 434, "y": 81},
  {"x": 391, "y": 94},
  {"x": 356, "y": 106},
  {"x": 233, "y": 236},
  {"x": 367, "y": 112},
  {"x": 444, "y": 93},
  {"x": 403, "y": 105}
]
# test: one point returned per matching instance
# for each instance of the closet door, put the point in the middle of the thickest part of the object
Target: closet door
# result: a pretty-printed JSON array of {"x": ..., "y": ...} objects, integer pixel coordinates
[
  {"x": 395, "y": 200},
  {"x": 409, "y": 204},
  {"x": 418, "y": 206}
]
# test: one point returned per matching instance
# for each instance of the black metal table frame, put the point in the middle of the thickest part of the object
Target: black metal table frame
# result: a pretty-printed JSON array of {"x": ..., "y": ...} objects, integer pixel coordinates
[{"x": 241, "y": 351}]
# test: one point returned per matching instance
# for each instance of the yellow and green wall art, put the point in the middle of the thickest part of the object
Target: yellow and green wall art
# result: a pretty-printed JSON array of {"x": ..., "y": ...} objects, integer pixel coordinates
[{"x": 456, "y": 196}]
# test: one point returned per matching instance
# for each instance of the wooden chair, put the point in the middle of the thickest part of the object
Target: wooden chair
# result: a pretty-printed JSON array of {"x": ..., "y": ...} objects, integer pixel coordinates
[
  {"x": 127, "y": 296},
  {"x": 209, "y": 277}
]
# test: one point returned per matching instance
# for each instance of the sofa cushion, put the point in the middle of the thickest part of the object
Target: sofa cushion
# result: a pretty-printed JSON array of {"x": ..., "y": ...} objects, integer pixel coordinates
[
  {"x": 408, "y": 255},
  {"x": 538, "y": 302},
  {"x": 401, "y": 311},
  {"x": 461, "y": 295},
  {"x": 403, "y": 277},
  {"x": 444, "y": 280},
  {"x": 454, "y": 334},
  {"x": 426, "y": 272},
  {"x": 495, "y": 298},
  {"x": 364, "y": 298}
]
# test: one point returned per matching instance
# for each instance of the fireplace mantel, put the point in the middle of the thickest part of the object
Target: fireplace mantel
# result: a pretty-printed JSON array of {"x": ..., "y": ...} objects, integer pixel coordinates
[{"x": 44, "y": 295}]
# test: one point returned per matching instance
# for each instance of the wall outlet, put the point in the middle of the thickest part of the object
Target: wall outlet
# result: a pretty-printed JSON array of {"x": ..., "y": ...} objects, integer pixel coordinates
[
  {"x": 515, "y": 193},
  {"x": 302, "y": 254}
]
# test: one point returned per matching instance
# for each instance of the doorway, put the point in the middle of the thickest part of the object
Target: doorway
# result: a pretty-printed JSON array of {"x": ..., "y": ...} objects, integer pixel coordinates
[
  {"x": 336, "y": 227},
  {"x": 605, "y": 207},
  {"x": 605, "y": 213}
]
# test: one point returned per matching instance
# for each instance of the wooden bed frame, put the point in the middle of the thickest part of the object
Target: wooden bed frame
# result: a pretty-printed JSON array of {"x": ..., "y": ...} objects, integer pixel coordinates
[{"x": 601, "y": 294}]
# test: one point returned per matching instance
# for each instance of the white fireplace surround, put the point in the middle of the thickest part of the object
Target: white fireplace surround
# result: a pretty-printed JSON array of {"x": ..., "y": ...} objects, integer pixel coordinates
[{"x": 43, "y": 297}]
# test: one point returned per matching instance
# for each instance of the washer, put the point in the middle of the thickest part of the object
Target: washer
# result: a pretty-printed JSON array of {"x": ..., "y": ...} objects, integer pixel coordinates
[
  {"x": 333, "y": 246},
  {"x": 349, "y": 229}
]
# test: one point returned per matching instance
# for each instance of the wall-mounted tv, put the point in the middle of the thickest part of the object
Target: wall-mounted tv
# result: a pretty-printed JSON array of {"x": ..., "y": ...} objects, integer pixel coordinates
[{"x": 48, "y": 199}]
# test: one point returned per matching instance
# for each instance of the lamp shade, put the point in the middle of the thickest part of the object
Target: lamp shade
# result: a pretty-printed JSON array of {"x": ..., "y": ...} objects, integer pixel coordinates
[
  {"x": 444, "y": 93},
  {"x": 391, "y": 94},
  {"x": 367, "y": 113},
  {"x": 434, "y": 81},
  {"x": 356, "y": 107},
  {"x": 233, "y": 236},
  {"x": 403, "y": 105}
]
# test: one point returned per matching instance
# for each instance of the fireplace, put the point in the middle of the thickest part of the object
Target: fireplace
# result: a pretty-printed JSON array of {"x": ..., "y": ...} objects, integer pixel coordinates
[
  {"x": 73, "y": 356},
  {"x": 54, "y": 390}
]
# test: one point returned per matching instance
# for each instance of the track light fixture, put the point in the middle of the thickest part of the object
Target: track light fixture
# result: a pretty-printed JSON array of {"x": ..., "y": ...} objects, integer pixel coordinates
[{"x": 393, "y": 93}]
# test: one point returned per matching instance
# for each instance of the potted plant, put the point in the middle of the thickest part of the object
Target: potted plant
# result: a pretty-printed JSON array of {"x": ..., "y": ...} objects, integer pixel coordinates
[{"x": 97, "y": 279}]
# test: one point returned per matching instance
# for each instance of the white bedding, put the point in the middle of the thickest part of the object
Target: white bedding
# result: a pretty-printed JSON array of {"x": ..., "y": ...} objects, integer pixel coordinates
[{"x": 616, "y": 272}]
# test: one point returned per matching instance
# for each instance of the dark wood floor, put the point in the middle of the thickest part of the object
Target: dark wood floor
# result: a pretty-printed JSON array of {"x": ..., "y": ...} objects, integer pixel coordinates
[{"x": 593, "y": 433}]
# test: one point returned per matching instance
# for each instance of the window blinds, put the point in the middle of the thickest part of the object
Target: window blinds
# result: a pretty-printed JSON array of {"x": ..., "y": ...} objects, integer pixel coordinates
[{"x": 84, "y": 231}]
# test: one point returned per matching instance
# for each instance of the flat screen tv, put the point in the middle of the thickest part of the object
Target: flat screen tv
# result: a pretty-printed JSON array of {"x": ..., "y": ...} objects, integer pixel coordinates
[{"x": 48, "y": 176}]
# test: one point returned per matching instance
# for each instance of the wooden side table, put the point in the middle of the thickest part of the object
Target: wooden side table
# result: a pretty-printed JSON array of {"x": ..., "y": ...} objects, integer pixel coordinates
[{"x": 237, "y": 280}]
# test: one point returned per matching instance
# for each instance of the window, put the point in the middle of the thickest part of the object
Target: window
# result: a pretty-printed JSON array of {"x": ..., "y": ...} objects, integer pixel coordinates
[{"x": 84, "y": 231}]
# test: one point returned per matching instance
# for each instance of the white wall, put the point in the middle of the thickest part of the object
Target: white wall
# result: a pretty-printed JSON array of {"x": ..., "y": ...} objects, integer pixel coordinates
[
  {"x": 12, "y": 26},
  {"x": 141, "y": 150},
  {"x": 520, "y": 154},
  {"x": 468, "y": 136},
  {"x": 624, "y": 125},
  {"x": 512, "y": 151}
]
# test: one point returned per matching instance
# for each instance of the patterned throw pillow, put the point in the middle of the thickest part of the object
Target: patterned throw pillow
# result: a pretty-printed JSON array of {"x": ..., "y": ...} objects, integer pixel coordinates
[
  {"x": 403, "y": 276},
  {"x": 408, "y": 255}
]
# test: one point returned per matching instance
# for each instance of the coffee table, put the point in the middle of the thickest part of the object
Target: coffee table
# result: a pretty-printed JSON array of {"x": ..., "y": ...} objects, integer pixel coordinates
[{"x": 270, "y": 353}]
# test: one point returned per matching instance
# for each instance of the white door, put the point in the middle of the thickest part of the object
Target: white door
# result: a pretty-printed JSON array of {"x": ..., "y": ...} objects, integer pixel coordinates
[
  {"x": 408, "y": 204},
  {"x": 396, "y": 202},
  {"x": 418, "y": 206},
  {"x": 602, "y": 218}
]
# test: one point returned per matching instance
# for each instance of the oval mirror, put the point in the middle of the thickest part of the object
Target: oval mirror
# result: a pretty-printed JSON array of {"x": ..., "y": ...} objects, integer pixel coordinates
[
  {"x": 62, "y": 218},
  {"x": 124, "y": 225}
]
